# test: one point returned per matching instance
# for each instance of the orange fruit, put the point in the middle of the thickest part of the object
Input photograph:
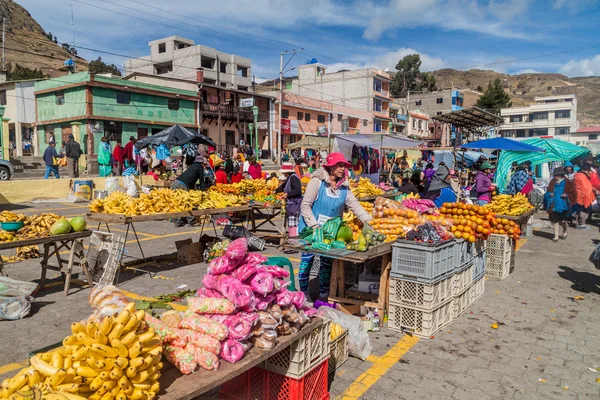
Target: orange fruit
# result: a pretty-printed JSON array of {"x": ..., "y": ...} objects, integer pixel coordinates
[{"x": 458, "y": 235}]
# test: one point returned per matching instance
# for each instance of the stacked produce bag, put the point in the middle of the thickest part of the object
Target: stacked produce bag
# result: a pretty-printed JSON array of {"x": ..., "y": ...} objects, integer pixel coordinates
[{"x": 243, "y": 303}]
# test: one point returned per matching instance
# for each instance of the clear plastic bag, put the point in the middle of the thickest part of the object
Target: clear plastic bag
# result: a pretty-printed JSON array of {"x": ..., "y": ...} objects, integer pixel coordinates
[
  {"x": 359, "y": 344},
  {"x": 130, "y": 186}
]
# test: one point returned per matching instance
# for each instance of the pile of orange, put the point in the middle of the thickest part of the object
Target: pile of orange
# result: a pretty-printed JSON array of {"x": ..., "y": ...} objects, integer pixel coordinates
[{"x": 472, "y": 222}]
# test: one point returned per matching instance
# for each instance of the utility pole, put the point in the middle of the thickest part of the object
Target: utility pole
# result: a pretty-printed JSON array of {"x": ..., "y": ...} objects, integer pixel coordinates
[
  {"x": 3, "y": 30},
  {"x": 73, "y": 39},
  {"x": 281, "y": 67}
]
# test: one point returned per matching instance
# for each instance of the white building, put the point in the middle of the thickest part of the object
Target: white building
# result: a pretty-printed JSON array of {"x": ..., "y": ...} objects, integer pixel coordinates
[
  {"x": 550, "y": 116},
  {"x": 418, "y": 126},
  {"x": 177, "y": 57},
  {"x": 19, "y": 100}
]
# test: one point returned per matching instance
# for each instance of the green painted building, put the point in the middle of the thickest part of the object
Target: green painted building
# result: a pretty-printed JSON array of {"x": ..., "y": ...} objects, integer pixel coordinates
[{"x": 92, "y": 106}]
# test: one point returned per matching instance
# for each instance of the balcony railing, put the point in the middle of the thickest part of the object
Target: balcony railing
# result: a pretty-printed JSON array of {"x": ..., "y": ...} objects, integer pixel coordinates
[{"x": 231, "y": 112}]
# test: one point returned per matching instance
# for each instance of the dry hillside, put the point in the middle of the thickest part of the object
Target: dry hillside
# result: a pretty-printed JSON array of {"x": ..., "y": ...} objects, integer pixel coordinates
[
  {"x": 27, "y": 44},
  {"x": 523, "y": 88}
]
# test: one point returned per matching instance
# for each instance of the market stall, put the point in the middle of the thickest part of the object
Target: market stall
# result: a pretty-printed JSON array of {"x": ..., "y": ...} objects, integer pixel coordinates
[
  {"x": 312, "y": 142},
  {"x": 271, "y": 216}
]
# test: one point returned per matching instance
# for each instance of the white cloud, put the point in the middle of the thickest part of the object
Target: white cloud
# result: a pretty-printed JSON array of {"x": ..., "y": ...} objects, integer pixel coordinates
[
  {"x": 526, "y": 71},
  {"x": 389, "y": 60},
  {"x": 582, "y": 67},
  {"x": 574, "y": 6}
]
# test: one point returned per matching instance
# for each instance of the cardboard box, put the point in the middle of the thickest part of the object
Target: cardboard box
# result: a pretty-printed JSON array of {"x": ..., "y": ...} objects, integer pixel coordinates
[
  {"x": 368, "y": 283},
  {"x": 188, "y": 252}
]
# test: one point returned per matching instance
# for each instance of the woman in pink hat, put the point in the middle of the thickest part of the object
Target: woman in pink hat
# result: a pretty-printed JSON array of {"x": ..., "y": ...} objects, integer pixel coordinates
[
  {"x": 325, "y": 197},
  {"x": 292, "y": 193}
]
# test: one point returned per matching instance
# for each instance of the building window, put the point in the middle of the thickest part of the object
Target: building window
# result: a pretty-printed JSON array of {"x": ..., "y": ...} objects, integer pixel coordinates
[
  {"x": 414, "y": 123},
  {"x": 377, "y": 85},
  {"x": 307, "y": 117},
  {"x": 242, "y": 71},
  {"x": 377, "y": 126},
  {"x": 300, "y": 116},
  {"x": 377, "y": 105},
  {"x": 162, "y": 47},
  {"x": 321, "y": 119},
  {"x": 521, "y": 133},
  {"x": 540, "y": 132},
  {"x": 539, "y": 115},
  {"x": 244, "y": 88},
  {"x": 562, "y": 131},
  {"x": 173, "y": 104},
  {"x": 345, "y": 125},
  {"x": 207, "y": 62},
  {"x": 516, "y": 118},
  {"x": 123, "y": 97},
  {"x": 285, "y": 113},
  {"x": 440, "y": 112},
  {"x": 2, "y": 97},
  {"x": 59, "y": 98},
  {"x": 418, "y": 103},
  {"x": 223, "y": 67},
  {"x": 224, "y": 84},
  {"x": 593, "y": 137},
  {"x": 562, "y": 114},
  {"x": 439, "y": 100},
  {"x": 420, "y": 125},
  {"x": 113, "y": 131}
]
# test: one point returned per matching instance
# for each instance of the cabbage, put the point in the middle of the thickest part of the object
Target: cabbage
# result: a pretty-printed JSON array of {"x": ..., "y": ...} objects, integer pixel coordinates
[
  {"x": 78, "y": 224},
  {"x": 60, "y": 227}
]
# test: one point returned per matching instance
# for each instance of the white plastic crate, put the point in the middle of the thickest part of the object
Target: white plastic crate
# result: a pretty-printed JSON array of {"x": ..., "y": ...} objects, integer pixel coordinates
[
  {"x": 462, "y": 280},
  {"x": 498, "y": 263},
  {"x": 303, "y": 355},
  {"x": 421, "y": 262},
  {"x": 479, "y": 287},
  {"x": 463, "y": 301},
  {"x": 466, "y": 251},
  {"x": 421, "y": 295},
  {"x": 500, "y": 242},
  {"x": 338, "y": 351},
  {"x": 420, "y": 322}
]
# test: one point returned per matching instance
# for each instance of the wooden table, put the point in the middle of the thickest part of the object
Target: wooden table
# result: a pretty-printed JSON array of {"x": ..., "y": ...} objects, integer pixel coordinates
[
  {"x": 269, "y": 212},
  {"x": 385, "y": 195},
  {"x": 175, "y": 386},
  {"x": 337, "y": 289},
  {"x": 52, "y": 246}
]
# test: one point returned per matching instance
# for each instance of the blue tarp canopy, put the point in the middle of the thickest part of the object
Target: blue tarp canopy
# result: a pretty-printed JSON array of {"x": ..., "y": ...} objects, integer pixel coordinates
[
  {"x": 501, "y": 143},
  {"x": 447, "y": 157}
]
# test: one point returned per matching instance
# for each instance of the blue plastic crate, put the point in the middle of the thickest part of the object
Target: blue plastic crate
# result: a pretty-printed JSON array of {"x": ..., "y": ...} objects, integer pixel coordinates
[
  {"x": 427, "y": 264},
  {"x": 479, "y": 265},
  {"x": 467, "y": 251}
]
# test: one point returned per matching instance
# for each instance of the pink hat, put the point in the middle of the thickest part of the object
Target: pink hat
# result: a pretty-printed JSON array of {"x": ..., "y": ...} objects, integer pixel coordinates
[
  {"x": 286, "y": 168},
  {"x": 336, "y": 158}
]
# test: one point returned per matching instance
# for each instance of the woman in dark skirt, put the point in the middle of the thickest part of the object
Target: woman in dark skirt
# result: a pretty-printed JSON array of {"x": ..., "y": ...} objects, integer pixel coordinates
[{"x": 556, "y": 201}]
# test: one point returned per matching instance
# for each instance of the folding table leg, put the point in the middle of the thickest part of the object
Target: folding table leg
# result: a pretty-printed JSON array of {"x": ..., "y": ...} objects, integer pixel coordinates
[
  {"x": 44, "y": 265},
  {"x": 138, "y": 241}
]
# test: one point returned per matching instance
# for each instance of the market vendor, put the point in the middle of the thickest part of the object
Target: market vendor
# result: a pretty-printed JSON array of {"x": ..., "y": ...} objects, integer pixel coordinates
[
  {"x": 440, "y": 190},
  {"x": 326, "y": 194},
  {"x": 292, "y": 193},
  {"x": 483, "y": 184},
  {"x": 520, "y": 181},
  {"x": 193, "y": 174}
]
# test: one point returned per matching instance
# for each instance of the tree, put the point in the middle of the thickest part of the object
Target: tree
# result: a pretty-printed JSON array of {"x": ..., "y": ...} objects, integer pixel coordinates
[
  {"x": 494, "y": 98},
  {"x": 406, "y": 79},
  {"x": 100, "y": 67},
  {"x": 22, "y": 73},
  {"x": 427, "y": 81}
]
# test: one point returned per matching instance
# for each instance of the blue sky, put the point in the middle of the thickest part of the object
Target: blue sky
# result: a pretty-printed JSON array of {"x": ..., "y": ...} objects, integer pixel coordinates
[{"x": 344, "y": 34}]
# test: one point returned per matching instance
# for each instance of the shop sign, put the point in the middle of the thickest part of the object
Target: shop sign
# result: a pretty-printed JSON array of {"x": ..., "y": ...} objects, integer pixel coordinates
[
  {"x": 294, "y": 126},
  {"x": 285, "y": 125},
  {"x": 263, "y": 125},
  {"x": 245, "y": 103},
  {"x": 97, "y": 127},
  {"x": 322, "y": 130}
]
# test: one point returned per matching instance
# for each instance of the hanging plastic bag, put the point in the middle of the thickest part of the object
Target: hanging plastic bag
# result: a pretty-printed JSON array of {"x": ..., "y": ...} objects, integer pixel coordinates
[
  {"x": 112, "y": 185},
  {"x": 162, "y": 152},
  {"x": 359, "y": 344},
  {"x": 130, "y": 186}
]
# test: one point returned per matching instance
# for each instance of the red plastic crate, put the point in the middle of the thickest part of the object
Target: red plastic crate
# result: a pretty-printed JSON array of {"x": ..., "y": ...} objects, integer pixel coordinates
[{"x": 260, "y": 384}]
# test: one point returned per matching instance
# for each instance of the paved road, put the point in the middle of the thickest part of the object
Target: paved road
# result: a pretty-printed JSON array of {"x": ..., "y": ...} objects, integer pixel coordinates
[{"x": 542, "y": 349}]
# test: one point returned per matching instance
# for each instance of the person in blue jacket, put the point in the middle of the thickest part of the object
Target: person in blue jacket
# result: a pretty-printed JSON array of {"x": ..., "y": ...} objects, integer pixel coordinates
[
  {"x": 50, "y": 157},
  {"x": 440, "y": 191}
]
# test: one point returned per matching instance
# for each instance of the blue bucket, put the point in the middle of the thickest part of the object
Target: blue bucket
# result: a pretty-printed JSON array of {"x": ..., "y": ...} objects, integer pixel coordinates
[{"x": 83, "y": 189}]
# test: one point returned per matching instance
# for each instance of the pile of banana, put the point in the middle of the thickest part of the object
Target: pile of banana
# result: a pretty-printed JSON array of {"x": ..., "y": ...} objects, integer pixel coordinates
[
  {"x": 28, "y": 252},
  {"x": 505, "y": 204},
  {"x": 44, "y": 393},
  {"x": 363, "y": 187},
  {"x": 6, "y": 236},
  {"x": 335, "y": 331},
  {"x": 247, "y": 186},
  {"x": 116, "y": 358},
  {"x": 38, "y": 226},
  {"x": 162, "y": 201},
  {"x": 8, "y": 216}
]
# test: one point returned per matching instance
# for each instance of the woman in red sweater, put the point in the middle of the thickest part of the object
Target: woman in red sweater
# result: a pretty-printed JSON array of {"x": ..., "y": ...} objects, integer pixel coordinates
[{"x": 220, "y": 175}]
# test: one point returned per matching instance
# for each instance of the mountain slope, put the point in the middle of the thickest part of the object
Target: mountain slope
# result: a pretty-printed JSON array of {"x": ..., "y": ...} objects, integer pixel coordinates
[
  {"x": 523, "y": 88},
  {"x": 27, "y": 43}
]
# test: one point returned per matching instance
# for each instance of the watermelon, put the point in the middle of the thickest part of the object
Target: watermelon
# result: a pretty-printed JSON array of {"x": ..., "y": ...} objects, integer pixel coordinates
[
  {"x": 60, "y": 227},
  {"x": 78, "y": 224}
]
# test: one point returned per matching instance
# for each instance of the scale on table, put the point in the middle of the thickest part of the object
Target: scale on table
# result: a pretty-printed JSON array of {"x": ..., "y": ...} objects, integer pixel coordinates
[{"x": 104, "y": 257}]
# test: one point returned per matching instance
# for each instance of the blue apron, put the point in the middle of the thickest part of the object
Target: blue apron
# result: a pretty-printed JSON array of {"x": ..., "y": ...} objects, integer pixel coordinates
[{"x": 327, "y": 205}]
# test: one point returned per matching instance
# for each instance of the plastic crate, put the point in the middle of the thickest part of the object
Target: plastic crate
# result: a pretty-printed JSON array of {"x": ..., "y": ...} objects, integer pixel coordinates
[
  {"x": 467, "y": 251},
  {"x": 479, "y": 265},
  {"x": 479, "y": 287},
  {"x": 420, "y": 322},
  {"x": 421, "y": 295},
  {"x": 350, "y": 273},
  {"x": 339, "y": 351},
  {"x": 500, "y": 242},
  {"x": 261, "y": 384},
  {"x": 463, "y": 301},
  {"x": 462, "y": 280},
  {"x": 426, "y": 264},
  {"x": 301, "y": 356},
  {"x": 498, "y": 263}
]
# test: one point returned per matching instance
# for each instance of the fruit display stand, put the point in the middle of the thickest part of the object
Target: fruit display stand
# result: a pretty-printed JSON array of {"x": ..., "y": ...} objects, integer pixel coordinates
[
  {"x": 52, "y": 247},
  {"x": 175, "y": 386},
  {"x": 337, "y": 289},
  {"x": 523, "y": 221},
  {"x": 269, "y": 213},
  {"x": 388, "y": 195}
]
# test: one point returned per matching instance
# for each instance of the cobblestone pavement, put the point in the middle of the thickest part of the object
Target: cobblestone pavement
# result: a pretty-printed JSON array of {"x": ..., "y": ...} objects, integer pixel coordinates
[{"x": 545, "y": 343}]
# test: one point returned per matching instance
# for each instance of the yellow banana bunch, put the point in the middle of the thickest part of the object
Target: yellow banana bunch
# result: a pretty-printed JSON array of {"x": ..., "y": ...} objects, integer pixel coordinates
[
  {"x": 335, "y": 331},
  {"x": 37, "y": 226},
  {"x": 363, "y": 187},
  {"x": 248, "y": 186},
  {"x": 118, "y": 357},
  {"x": 505, "y": 204},
  {"x": 9, "y": 216}
]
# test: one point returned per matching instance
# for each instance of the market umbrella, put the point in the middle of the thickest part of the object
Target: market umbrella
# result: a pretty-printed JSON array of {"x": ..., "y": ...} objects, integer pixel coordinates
[
  {"x": 173, "y": 136},
  {"x": 555, "y": 150},
  {"x": 502, "y": 143}
]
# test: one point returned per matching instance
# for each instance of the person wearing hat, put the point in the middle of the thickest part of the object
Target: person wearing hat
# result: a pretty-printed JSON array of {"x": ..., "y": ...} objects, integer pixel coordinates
[
  {"x": 292, "y": 193},
  {"x": 440, "y": 190},
  {"x": 73, "y": 152},
  {"x": 298, "y": 169},
  {"x": 518, "y": 180},
  {"x": 483, "y": 184},
  {"x": 128, "y": 151},
  {"x": 569, "y": 172},
  {"x": 119, "y": 157},
  {"x": 50, "y": 158},
  {"x": 325, "y": 197},
  {"x": 583, "y": 196},
  {"x": 557, "y": 203},
  {"x": 105, "y": 160},
  {"x": 186, "y": 181},
  {"x": 254, "y": 169},
  {"x": 220, "y": 174}
]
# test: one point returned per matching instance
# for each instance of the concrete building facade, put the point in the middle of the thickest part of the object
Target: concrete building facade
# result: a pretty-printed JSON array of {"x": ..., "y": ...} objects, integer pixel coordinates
[
  {"x": 181, "y": 58},
  {"x": 364, "y": 89},
  {"x": 18, "y": 99},
  {"x": 550, "y": 116},
  {"x": 418, "y": 126}
]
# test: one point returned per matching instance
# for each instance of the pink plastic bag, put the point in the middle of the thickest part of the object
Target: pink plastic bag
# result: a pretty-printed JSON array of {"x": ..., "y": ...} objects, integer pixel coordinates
[
  {"x": 276, "y": 271},
  {"x": 236, "y": 251},
  {"x": 262, "y": 283},
  {"x": 211, "y": 281},
  {"x": 210, "y": 305},
  {"x": 239, "y": 294},
  {"x": 205, "y": 359},
  {"x": 310, "y": 312},
  {"x": 283, "y": 297},
  {"x": 183, "y": 360},
  {"x": 251, "y": 317},
  {"x": 204, "y": 325},
  {"x": 244, "y": 272},
  {"x": 220, "y": 265},
  {"x": 239, "y": 328},
  {"x": 205, "y": 292},
  {"x": 298, "y": 299},
  {"x": 263, "y": 302},
  {"x": 255, "y": 258},
  {"x": 232, "y": 351}
]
